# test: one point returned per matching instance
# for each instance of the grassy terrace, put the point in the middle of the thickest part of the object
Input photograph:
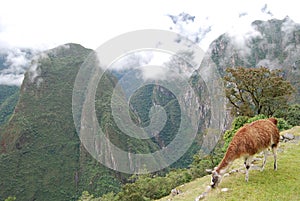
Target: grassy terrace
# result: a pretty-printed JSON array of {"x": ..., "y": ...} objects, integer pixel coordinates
[{"x": 281, "y": 185}]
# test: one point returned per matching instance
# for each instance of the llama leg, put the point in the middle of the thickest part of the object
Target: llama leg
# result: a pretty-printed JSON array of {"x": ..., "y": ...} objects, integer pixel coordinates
[
  {"x": 247, "y": 166},
  {"x": 265, "y": 160},
  {"x": 274, "y": 150}
]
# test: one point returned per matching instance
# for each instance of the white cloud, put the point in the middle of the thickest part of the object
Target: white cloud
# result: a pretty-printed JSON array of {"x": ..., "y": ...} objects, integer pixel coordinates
[
  {"x": 15, "y": 62},
  {"x": 154, "y": 72},
  {"x": 34, "y": 71},
  {"x": 47, "y": 24},
  {"x": 132, "y": 60},
  {"x": 288, "y": 25},
  {"x": 153, "y": 65},
  {"x": 11, "y": 79}
]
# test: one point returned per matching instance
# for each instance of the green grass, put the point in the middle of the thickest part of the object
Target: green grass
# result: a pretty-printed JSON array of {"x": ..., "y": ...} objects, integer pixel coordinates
[{"x": 283, "y": 184}]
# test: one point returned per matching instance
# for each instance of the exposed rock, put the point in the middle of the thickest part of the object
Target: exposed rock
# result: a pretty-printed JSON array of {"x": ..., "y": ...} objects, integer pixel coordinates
[
  {"x": 288, "y": 136},
  {"x": 224, "y": 189},
  {"x": 199, "y": 197},
  {"x": 226, "y": 175},
  {"x": 202, "y": 196},
  {"x": 175, "y": 191},
  {"x": 233, "y": 171}
]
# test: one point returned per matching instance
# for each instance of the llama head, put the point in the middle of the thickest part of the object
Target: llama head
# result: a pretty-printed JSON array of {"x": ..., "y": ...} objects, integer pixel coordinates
[{"x": 215, "y": 179}]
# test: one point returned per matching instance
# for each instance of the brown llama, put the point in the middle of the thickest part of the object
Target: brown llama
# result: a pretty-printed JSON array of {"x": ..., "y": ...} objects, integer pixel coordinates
[{"x": 248, "y": 141}]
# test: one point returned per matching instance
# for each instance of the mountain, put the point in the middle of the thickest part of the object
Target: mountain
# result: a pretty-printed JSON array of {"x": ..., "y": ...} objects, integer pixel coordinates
[
  {"x": 41, "y": 155},
  {"x": 274, "y": 44}
]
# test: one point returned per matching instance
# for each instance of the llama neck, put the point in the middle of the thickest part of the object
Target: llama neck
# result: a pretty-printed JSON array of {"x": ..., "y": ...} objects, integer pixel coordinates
[{"x": 226, "y": 162}]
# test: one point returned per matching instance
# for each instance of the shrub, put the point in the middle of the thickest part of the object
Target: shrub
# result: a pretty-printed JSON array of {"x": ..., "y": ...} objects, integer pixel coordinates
[
  {"x": 108, "y": 197},
  {"x": 239, "y": 122},
  {"x": 150, "y": 187},
  {"x": 86, "y": 196},
  {"x": 203, "y": 161},
  {"x": 10, "y": 198},
  {"x": 257, "y": 117},
  {"x": 290, "y": 114},
  {"x": 293, "y": 115},
  {"x": 283, "y": 124}
]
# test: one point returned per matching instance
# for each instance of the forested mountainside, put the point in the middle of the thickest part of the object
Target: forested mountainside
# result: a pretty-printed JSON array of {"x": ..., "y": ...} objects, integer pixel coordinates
[
  {"x": 41, "y": 155},
  {"x": 9, "y": 96}
]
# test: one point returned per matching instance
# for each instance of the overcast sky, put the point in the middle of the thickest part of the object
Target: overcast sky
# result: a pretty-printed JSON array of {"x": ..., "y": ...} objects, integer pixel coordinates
[
  {"x": 49, "y": 23},
  {"x": 45, "y": 24}
]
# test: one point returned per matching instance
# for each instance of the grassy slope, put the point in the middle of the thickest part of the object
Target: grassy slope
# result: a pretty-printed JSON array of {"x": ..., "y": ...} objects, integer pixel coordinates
[{"x": 283, "y": 184}]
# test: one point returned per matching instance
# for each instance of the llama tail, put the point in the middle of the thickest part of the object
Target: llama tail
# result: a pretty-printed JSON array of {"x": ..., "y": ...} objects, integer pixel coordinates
[{"x": 273, "y": 120}]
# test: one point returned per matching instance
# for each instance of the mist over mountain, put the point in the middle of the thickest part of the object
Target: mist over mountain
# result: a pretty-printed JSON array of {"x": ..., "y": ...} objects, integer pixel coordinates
[
  {"x": 274, "y": 44},
  {"x": 14, "y": 62}
]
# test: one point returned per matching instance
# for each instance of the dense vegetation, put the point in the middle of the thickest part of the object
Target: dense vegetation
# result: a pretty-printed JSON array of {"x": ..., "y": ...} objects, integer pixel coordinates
[
  {"x": 291, "y": 114},
  {"x": 41, "y": 156},
  {"x": 254, "y": 91},
  {"x": 9, "y": 96}
]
